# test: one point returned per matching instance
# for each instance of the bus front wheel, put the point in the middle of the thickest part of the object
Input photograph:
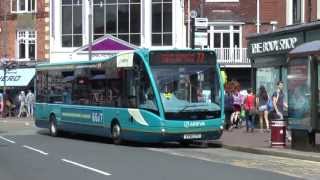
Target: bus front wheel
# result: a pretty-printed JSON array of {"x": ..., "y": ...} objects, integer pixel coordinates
[
  {"x": 116, "y": 133},
  {"x": 53, "y": 126}
]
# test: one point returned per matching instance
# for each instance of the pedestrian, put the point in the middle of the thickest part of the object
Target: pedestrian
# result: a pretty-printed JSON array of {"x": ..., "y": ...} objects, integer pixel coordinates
[
  {"x": 262, "y": 101},
  {"x": 228, "y": 105},
  {"x": 237, "y": 106},
  {"x": 22, "y": 101},
  {"x": 30, "y": 100},
  {"x": 250, "y": 108},
  {"x": 279, "y": 104}
]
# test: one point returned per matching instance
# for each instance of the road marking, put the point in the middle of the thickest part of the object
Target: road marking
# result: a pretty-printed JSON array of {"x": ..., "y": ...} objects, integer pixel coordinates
[
  {"x": 8, "y": 140},
  {"x": 86, "y": 167},
  {"x": 34, "y": 149}
]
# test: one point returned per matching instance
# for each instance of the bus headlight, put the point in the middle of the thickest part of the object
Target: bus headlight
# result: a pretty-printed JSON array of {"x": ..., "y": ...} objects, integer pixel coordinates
[
  {"x": 163, "y": 131},
  {"x": 221, "y": 127}
]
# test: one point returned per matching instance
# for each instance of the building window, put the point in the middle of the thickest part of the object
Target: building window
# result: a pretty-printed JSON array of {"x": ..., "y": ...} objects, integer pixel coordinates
[
  {"x": 161, "y": 22},
  {"x": 225, "y": 36},
  {"x": 71, "y": 23},
  {"x": 119, "y": 18},
  {"x": 22, "y": 6},
  {"x": 26, "y": 43},
  {"x": 296, "y": 11}
]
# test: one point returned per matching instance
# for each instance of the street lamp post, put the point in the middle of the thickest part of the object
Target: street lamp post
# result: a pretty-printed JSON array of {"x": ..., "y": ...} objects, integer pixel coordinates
[
  {"x": 4, "y": 58},
  {"x": 90, "y": 29},
  {"x": 4, "y": 62}
]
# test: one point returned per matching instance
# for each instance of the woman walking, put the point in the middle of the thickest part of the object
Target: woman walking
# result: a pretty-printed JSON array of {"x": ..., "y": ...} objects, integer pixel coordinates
[
  {"x": 250, "y": 108},
  {"x": 262, "y": 101}
]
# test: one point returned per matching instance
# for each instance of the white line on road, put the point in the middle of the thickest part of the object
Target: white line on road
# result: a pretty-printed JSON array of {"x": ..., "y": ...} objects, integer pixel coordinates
[
  {"x": 8, "y": 140},
  {"x": 34, "y": 149},
  {"x": 86, "y": 167}
]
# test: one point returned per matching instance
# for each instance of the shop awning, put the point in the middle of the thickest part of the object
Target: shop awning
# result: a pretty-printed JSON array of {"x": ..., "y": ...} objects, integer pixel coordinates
[
  {"x": 17, "y": 77},
  {"x": 308, "y": 48}
]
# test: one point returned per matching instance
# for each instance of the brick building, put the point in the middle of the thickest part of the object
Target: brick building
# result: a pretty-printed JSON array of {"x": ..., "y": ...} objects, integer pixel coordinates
[
  {"x": 25, "y": 33},
  {"x": 231, "y": 21},
  {"x": 24, "y": 40}
]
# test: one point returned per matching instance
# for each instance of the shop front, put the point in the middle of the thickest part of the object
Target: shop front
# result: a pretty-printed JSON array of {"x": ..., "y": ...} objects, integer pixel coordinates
[
  {"x": 271, "y": 62},
  {"x": 14, "y": 81}
]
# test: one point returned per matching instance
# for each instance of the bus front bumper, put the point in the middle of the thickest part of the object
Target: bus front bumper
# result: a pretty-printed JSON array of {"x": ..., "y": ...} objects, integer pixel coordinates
[{"x": 171, "y": 137}]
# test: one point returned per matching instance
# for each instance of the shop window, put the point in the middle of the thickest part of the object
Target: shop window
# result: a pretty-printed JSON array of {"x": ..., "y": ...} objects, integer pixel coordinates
[
  {"x": 71, "y": 23},
  {"x": 118, "y": 18},
  {"x": 268, "y": 77},
  {"x": 161, "y": 22},
  {"x": 26, "y": 43},
  {"x": 23, "y": 6}
]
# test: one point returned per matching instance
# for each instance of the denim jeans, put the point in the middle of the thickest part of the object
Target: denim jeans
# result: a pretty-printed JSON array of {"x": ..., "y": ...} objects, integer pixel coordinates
[{"x": 249, "y": 121}]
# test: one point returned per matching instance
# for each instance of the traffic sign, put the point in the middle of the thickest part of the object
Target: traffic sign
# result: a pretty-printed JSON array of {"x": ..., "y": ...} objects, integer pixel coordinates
[
  {"x": 201, "y": 38},
  {"x": 201, "y": 23}
]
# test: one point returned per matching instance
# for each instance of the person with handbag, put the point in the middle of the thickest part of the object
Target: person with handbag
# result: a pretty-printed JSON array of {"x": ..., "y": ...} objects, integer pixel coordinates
[
  {"x": 250, "y": 108},
  {"x": 262, "y": 103}
]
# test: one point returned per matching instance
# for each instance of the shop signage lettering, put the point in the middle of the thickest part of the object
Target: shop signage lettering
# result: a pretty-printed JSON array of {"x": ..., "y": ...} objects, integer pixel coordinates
[
  {"x": 11, "y": 78},
  {"x": 275, "y": 45}
]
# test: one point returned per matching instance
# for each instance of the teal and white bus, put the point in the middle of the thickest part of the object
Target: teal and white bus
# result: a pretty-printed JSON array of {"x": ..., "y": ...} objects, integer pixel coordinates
[{"x": 142, "y": 95}]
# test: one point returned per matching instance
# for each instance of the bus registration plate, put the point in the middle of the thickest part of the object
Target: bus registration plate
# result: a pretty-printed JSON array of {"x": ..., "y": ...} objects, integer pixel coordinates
[{"x": 192, "y": 136}]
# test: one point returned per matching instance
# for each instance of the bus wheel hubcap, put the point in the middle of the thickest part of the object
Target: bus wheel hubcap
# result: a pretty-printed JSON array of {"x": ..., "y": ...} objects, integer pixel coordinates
[
  {"x": 116, "y": 131},
  {"x": 53, "y": 128}
]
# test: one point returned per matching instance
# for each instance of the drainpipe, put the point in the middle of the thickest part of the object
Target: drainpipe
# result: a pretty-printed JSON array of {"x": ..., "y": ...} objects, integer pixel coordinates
[
  {"x": 258, "y": 16},
  {"x": 310, "y": 10},
  {"x": 201, "y": 8}
]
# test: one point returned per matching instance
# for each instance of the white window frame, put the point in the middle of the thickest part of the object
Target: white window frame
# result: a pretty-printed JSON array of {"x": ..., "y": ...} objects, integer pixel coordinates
[
  {"x": 17, "y": 10},
  {"x": 318, "y": 9},
  {"x": 231, "y": 31},
  {"x": 83, "y": 34},
  {"x": 26, "y": 36},
  {"x": 289, "y": 10},
  {"x": 162, "y": 25},
  {"x": 117, "y": 33}
]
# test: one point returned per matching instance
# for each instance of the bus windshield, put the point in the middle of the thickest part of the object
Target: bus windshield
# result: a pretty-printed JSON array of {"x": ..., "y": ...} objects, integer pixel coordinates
[{"x": 188, "y": 89}]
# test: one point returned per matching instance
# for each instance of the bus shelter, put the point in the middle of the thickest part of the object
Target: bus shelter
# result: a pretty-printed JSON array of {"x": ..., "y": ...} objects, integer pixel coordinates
[{"x": 303, "y": 94}]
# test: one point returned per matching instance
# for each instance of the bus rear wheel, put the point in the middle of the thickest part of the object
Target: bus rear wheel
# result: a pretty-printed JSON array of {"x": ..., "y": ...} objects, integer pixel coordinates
[
  {"x": 53, "y": 126},
  {"x": 116, "y": 133}
]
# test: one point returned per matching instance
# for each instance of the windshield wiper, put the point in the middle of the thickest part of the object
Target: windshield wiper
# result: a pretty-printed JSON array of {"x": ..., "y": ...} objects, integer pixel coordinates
[{"x": 189, "y": 106}]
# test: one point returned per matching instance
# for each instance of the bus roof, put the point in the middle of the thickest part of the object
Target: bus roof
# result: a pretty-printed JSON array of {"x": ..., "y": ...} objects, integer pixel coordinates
[{"x": 71, "y": 64}]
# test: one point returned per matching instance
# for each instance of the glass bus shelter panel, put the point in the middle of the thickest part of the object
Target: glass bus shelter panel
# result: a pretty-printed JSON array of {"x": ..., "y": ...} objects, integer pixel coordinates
[
  {"x": 318, "y": 103},
  {"x": 299, "y": 93}
]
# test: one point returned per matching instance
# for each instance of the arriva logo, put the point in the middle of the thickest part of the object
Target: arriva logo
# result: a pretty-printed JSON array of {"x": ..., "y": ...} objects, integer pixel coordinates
[{"x": 189, "y": 124}]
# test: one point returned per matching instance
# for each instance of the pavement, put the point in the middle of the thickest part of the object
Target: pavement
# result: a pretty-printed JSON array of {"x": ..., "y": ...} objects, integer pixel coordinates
[
  {"x": 238, "y": 139},
  {"x": 260, "y": 143}
]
